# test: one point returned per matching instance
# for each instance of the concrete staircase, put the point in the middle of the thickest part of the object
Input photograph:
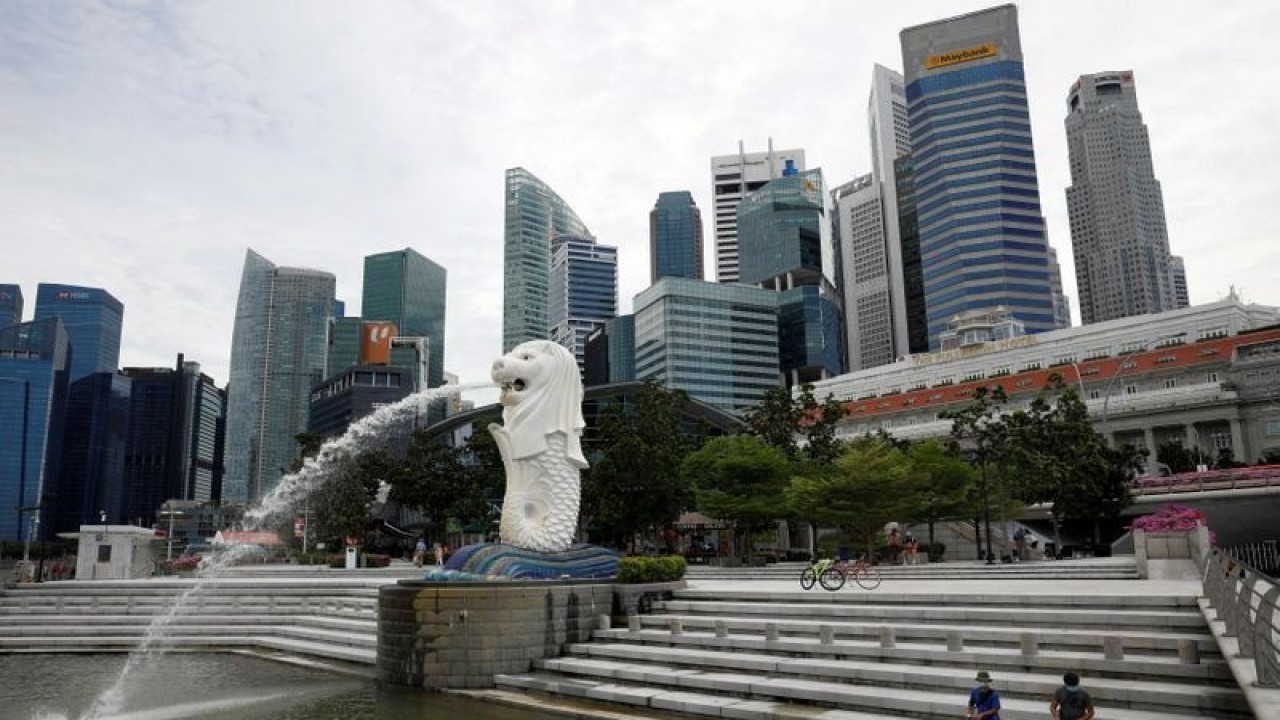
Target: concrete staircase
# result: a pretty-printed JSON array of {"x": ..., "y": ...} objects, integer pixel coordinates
[
  {"x": 772, "y": 653},
  {"x": 329, "y": 618}
]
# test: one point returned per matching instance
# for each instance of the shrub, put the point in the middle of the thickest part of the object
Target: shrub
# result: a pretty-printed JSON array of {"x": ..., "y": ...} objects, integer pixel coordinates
[
  {"x": 663, "y": 568},
  {"x": 375, "y": 560}
]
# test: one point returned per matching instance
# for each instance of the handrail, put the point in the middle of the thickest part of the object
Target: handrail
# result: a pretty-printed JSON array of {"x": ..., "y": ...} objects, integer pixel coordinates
[{"x": 1246, "y": 602}]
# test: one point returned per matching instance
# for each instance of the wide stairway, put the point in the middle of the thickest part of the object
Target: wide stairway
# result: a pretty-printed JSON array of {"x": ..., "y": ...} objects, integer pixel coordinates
[
  {"x": 1117, "y": 568},
  {"x": 330, "y": 618},
  {"x": 728, "y": 650}
]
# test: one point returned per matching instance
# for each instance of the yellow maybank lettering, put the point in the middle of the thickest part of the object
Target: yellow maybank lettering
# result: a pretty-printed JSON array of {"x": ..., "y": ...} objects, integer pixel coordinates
[{"x": 956, "y": 57}]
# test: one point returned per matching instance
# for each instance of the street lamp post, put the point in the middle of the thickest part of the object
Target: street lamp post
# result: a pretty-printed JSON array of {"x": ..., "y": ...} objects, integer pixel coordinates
[{"x": 172, "y": 513}]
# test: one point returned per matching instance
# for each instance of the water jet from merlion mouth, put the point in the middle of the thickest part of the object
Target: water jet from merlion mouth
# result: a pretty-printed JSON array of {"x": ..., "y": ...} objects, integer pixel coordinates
[{"x": 293, "y": 488}]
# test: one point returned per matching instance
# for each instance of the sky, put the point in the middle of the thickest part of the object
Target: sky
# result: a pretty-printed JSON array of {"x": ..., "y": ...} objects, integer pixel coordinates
[{"x": 145, "y": 146}]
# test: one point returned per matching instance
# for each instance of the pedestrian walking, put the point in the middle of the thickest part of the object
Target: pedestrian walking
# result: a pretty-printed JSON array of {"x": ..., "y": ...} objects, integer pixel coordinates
[
  {"x": 419, "y": 551},
  {"x": 1070, "y": 701},
  {"x": 984, "y": 701}
]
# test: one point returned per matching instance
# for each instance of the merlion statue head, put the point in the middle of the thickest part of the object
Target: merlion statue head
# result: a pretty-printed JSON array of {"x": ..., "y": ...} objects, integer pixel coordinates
[{"x": 540, "y": 393}]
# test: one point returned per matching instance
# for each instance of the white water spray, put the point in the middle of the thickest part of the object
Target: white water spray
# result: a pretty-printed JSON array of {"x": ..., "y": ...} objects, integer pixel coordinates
[{"x": 293, "y": 487}]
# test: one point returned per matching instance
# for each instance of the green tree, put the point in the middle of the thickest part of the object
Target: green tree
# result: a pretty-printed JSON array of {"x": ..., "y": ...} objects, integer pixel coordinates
[
  {"x": 340, "y": 506},
  {"x": 980, "y": 435},
  {"x": 635, "y": 481},
  {"x": 798, "y": 425},
  {"x": 741, "y": 479},
  {"x": 871, "y": 484},
  {"x": 433, "y": 479},
  {"x": 944, "y": 484},
  {"x": 776, "y": 420}
]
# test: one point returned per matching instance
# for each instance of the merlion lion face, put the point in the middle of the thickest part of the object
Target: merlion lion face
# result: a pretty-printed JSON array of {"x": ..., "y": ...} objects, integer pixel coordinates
[{"x": 530, "y": 369}]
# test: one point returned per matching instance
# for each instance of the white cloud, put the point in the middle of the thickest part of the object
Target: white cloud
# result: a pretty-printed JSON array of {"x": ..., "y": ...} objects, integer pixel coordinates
[{"x": 147, "y": 145}]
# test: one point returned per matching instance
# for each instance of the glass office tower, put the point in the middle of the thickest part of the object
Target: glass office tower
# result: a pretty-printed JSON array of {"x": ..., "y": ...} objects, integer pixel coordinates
[
  {"x": 10, "y": 305},
  {"x": 92, "y": 476},
  {"x": 582, "y": 291},
  {"x": 785, "y": 245},
  {"x": 675, "y": 237},
  {"x": 34, "y": 366},
  {"x": 277, "y": 354},
  {"x": 406, "y": 288},
  {"x": 716, "y": 341},
  {"x": 93, "y": 320},
  {"x": 534, "y": 215},
  {"x": 982, "y": 233}
]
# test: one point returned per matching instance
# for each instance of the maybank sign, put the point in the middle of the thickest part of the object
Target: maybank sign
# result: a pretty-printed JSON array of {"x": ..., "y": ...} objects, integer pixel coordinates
[{"x": 956, "y": 57}]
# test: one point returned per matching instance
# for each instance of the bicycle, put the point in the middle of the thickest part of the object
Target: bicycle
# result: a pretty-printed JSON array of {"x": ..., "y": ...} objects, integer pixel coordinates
[
  {"x": 862, "y": 571},
  {"x": 824, "y": 572}
]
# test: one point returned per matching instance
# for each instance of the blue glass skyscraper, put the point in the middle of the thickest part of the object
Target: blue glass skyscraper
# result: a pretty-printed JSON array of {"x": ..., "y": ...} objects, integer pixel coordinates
[
  {"x": 675, "y": 237},
  {"x": 278, "y": 350},
  {"x": 93, "y": 320},
  {"x": 534, "y": 215},
  {"x": 34, "y": 362},
  {"x": 10, "y": 305},
  {"x": 982, "y": 233},
  {"x": 91, "y": 478},
  {"x": 785, "y": 245},
  {"x": 582, "y": 290}
]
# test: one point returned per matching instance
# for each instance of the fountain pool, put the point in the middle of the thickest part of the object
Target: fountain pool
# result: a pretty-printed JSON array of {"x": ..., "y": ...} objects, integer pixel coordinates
[{"x": 226, "y": 686}]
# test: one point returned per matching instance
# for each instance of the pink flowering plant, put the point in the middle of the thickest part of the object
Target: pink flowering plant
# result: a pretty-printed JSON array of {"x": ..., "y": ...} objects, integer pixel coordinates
[
  {"x": 1171, "y": 518},
  {"x": 186, "y": 562}
]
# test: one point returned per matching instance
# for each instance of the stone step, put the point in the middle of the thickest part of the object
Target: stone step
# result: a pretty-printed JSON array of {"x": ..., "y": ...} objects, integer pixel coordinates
[
  {"x": 950, "y": 613},
  {"x": 266, "y": 627},
  {"x": 1210, "y": 667},
  {"x": 693, "y": 692},
  {"x": 771, "y": 593}
]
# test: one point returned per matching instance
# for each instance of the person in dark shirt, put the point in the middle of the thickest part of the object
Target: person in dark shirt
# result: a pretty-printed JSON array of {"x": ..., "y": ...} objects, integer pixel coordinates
[
  {"x": 1070, "y": 701},
  {"x": 984, "y": 701}
]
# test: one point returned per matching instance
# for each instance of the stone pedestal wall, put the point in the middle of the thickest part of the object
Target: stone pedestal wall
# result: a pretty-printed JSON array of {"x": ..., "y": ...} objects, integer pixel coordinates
[{"x": 440, "y": 635}]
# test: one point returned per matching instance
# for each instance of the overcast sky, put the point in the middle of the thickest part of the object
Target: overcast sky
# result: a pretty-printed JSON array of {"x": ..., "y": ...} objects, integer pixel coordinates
[{"x": 145, "y": 145}]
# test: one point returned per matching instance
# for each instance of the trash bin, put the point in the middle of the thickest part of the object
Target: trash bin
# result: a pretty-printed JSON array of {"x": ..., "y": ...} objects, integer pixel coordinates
[{"x": 352, "y": 557}]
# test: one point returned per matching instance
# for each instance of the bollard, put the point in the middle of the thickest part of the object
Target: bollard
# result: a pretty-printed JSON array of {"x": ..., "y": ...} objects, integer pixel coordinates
[
  {"x": 677, "y": 626},
  {"x": 722, "y": 629},
  {"x": 1029, "y": 644},
  {"x": 826, "y": 635},
  {"x": 887, "y": 639},
  {"x": 1188, "y": 652},
  {"x": 606, "y": 622},
  {"x": 955, "y": 641},
  {"x": 1112, "y": 648},
  {"x": 633, "y": 623},
  {"x": 771, "y": 632}
]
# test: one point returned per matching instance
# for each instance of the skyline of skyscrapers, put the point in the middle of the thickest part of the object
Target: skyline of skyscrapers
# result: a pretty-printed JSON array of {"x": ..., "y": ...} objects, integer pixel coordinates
[
  {"x": 534, "y": 214},
  {"x": 278, "y": 348},
  {"x": 675, "y": 237},
  {"x": 982, "y": 234},
  {"x": 582, "y": 290},
  {"x": 732, "y": 177},
  {"x": 1115, "y": 204}
]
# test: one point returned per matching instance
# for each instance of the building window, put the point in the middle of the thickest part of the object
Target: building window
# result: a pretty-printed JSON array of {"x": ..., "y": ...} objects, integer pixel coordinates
[
  {"x": 1273, "y": 428},
  {"x": 1220, "y": 440},
  {"x": 1130, "y": 389},
  {"x": 1094, "y": 395},
  {"x": 1211, "y": 377},
  {"x": 1170, "y": 383},
  {"x": 104, "y": 553}
]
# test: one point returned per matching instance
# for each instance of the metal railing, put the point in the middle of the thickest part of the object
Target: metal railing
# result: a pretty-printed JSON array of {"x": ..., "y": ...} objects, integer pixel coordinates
[{"x": 1246, "y": 603}]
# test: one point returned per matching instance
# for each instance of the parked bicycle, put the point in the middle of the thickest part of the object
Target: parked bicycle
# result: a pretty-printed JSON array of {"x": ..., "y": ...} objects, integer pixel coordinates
[{"x": 832, "y": 574}]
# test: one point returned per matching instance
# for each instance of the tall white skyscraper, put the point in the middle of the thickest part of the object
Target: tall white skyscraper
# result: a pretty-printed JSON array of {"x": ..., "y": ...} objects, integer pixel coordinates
[
  {"x": 732, "y": 177},
  {"x": 1118, "y": 233}
]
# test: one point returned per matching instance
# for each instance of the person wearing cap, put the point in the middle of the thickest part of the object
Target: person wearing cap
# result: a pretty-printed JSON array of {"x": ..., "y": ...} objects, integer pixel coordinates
[
  {"x": 984, "y": 701},
  {"x": 1070, "y": 701}
]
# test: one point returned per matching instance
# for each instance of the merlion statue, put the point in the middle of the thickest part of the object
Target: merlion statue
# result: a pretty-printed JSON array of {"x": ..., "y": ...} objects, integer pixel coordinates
[{"x": 540, "y": 443}]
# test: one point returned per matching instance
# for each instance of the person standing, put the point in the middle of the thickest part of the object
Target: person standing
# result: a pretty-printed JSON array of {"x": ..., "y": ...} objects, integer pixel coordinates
[
  {"x": 418, "y": 551},
  {"x": 984, "y": 701},
  {"x": 1070, "y": 701}
]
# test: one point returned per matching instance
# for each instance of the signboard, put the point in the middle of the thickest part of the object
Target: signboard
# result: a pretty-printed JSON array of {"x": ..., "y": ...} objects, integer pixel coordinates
[
  {"x": 375, "y": 342},
  {"x": 299, "y": 526},
  {"x": 955, "y": 57}
]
